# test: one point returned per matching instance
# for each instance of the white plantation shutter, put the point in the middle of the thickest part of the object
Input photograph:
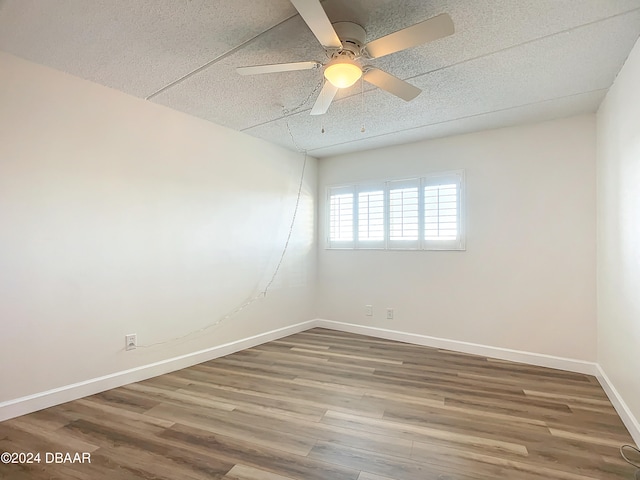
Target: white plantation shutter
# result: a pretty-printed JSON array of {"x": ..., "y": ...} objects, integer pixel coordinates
[
  {"x": 341, "y": 205},
  {"x": 371, "y": 217},
  {"x": 442, "y": 212},
  {"x": 404, "y": 214},
  {"x": 418, "y": 213}
]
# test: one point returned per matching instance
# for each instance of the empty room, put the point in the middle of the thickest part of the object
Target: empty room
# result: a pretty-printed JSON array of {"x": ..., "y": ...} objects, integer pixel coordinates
[{"x": 320, "y": 239}]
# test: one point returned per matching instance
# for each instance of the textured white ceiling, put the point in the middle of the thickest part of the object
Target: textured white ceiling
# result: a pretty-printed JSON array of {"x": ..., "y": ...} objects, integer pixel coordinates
[{"x": 509, "y": 62}]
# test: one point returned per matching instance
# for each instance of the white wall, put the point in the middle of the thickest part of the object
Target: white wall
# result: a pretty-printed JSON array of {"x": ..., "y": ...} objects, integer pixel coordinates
[
  {"x": 618, "y": 170},
  {"x": 527, "y": 280},
  {"x": 120, "y": 216}
]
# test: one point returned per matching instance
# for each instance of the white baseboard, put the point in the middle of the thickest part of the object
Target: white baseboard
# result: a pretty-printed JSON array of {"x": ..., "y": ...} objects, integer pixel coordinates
[
  {"x": 561, "y": 363},
  {"x": 56, "y": 396},
  {"x": 629, "y": 420}
]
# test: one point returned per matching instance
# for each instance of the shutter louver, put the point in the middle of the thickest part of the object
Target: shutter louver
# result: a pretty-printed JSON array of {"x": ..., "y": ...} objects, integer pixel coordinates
[
  {"x": 403, "y": 213},
  {"x": 341, "y": 217},
  {"x": 441, "y": 212},
  {"x": 371, "y": 216}
]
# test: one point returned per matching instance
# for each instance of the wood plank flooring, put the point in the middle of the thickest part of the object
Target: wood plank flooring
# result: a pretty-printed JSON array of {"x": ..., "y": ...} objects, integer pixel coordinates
[{"x": 327, "y": 405}]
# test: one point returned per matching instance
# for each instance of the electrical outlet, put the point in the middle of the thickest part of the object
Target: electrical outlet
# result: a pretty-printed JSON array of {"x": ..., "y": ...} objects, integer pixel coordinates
[
  {"x": 130, "y": 341},
  {"x": 368, "y": 310},
  {"x": 389, "y": 313}
]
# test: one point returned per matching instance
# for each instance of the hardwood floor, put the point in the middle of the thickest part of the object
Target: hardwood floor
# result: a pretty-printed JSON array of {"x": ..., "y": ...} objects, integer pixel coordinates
[{"x": 326, "y": 405}]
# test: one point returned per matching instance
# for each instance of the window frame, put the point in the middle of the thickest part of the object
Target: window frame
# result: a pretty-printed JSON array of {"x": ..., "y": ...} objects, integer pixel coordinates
[{"x": 456, "y": 177}]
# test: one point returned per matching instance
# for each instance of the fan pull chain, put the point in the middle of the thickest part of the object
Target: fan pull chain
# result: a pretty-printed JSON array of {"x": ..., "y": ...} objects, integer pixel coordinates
[
  {"x": 323, "y": 101},
  {"x": 362, "y": 102}
]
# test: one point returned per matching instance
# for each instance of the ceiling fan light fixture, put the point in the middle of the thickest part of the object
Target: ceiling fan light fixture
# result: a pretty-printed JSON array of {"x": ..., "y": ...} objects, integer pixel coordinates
[{"x": 342, "y": 73}]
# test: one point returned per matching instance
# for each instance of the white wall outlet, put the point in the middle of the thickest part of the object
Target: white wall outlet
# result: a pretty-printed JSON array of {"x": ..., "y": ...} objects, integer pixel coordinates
[
  {"x": 389, "y": 313},
  {"x": 130, "y": 341},
  {"x": 368, "y": 310}
]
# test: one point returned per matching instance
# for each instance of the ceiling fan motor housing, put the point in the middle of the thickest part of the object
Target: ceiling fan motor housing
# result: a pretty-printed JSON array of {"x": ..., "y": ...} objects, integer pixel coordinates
[{"x": 352, "y": 37}]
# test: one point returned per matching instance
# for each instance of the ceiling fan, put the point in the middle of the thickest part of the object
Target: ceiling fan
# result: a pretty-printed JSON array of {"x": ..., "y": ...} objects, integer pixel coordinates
[{"x": 344, "y": 44}]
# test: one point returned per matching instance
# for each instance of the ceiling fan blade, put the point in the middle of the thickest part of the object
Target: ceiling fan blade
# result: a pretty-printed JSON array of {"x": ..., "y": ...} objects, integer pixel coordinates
[
  {"x": 324, "y": 99},
  {"x": 391, "y": 84},
  {"x": 418, "y": 34},
  {"x": 314, "y": 15},
  {"x": 277, "y": 67}
]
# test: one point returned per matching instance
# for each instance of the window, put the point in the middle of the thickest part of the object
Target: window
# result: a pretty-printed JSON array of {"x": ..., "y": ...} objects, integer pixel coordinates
[
  {"x": 341, "y": 217},
  {"x": 371, "y": 217},
  {"x": 404, "y": 215},
  {"x": 442, "y": 214},
  {"x": 418, "y": 213}
]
